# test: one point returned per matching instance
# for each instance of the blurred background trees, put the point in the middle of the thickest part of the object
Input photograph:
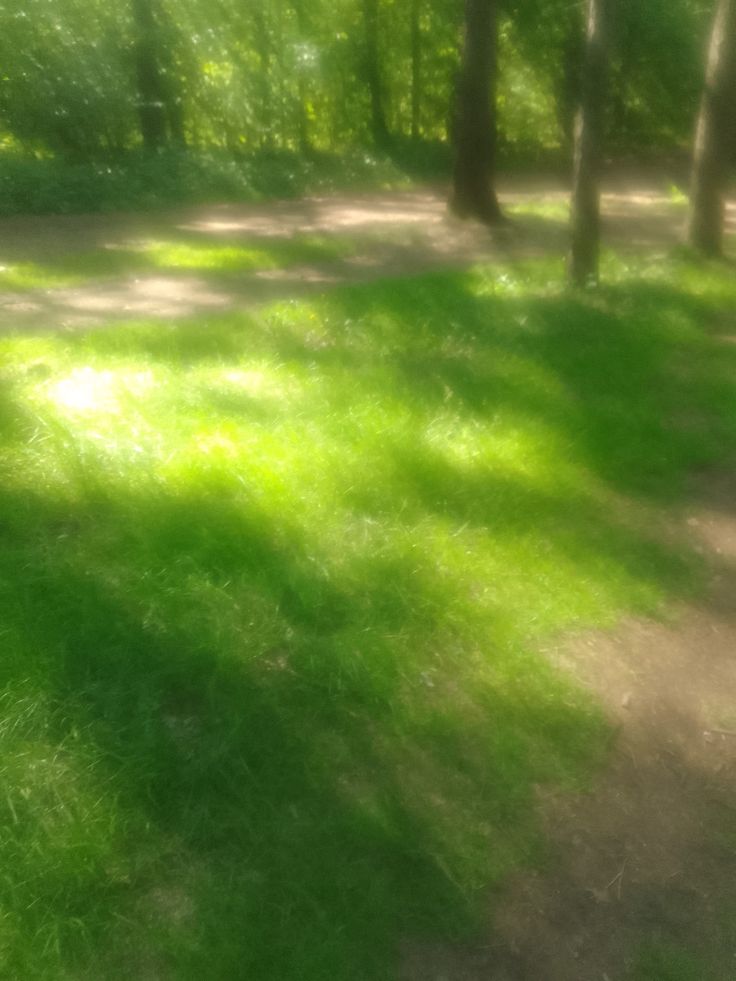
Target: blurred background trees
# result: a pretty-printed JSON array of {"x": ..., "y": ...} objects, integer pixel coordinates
[
  {"x": 86, "y": 82},
  {"x": 85, "y": 77}
]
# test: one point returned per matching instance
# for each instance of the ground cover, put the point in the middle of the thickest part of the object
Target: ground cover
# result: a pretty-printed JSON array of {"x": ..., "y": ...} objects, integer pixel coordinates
[
  {"x": 182, "y": 253},
  {"x": 274, "y": 586},
  {"x": 139, "y": 179}
]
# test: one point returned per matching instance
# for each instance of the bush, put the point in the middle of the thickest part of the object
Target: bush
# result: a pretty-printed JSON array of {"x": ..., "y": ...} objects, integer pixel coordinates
[{"x": 31, "y": 185}]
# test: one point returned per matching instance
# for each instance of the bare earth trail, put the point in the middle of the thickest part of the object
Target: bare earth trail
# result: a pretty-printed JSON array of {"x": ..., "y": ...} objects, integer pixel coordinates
[
  {"x": 392, "y": 234},
  {"x": 650, "y": 850}
]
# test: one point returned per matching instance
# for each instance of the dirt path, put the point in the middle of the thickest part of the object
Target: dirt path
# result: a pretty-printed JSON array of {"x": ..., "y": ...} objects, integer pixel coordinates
[
  {"x": 649, "y": 854},
  {"x": 398, "y": 234}
]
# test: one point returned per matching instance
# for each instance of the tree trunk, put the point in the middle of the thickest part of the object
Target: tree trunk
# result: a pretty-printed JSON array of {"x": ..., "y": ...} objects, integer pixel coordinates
[
  {"x": 474, "y": 126},
  {"x": 589, "y": 126},
  {"x": 379, "y": 127},
  {"x": 151, "y": 94},
  {"x": 416, "y": 69},
  {"x": 715, "y": 136}
]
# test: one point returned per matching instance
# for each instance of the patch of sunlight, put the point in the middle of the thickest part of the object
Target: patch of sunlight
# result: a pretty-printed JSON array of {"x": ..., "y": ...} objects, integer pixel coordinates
[
  {"x": 259, "y": 383},
  {"x": 218, "y": 443},
  {"x": 32, "y": 275},
  {"x": 175, "y": 255},
  {"x": 243, "y": 257},
  {"x": 72, "y": 269},
  {"x": 553, "y": 210},
  {"x": 87, "y": 390}
]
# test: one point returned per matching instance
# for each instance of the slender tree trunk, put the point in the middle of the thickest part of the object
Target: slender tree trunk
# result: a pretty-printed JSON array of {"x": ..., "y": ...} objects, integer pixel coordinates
[
  {"x": 416, "y": 69},
  {"x": 589, "y": 126},
  {"x": 151, "y": 94},
  {"x": 714, "y": 138},
  {"x": 474, "y": 126},
  {"x": 379, "y": 126}
]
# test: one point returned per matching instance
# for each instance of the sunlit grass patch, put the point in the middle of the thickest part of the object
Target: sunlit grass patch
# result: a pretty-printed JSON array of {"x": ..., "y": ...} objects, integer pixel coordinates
[
  {"x": 272, "y": 590},
  {"x": 542, "y": 208},
  {"x": 149, "y": 256}
]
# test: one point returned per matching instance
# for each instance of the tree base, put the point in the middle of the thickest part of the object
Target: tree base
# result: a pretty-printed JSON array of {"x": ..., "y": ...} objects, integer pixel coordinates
[{"x": 486, "y": 212}]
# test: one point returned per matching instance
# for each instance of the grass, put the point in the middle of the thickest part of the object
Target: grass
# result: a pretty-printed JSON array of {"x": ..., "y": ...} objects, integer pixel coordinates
[
  {"x": 558, "y": 211},
  {"x": 272, "y": 590},
  {"x": 667, "y": 962},
  {"x": 180, "y": 254}
]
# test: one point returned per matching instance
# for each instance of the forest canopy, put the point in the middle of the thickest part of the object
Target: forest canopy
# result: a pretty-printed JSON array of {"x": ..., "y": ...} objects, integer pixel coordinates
[{"x": 86, "y": 79}]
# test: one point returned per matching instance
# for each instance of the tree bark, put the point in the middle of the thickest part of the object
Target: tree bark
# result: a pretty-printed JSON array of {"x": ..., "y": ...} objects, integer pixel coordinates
[
  {"x": 588, "y": 144},
  {"x": 714, "y": 139},
  {"x": 151, "y": 94},
  {"x": 474, "y": 126},
  {"x": 379, "y": 126}
]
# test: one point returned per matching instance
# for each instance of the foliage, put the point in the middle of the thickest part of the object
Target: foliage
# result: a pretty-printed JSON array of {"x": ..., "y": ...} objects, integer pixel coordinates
[
  {"x": 272, "y": 587},
  {"x": 149, "y": 180},
  {"x": 291, "y": 77}
]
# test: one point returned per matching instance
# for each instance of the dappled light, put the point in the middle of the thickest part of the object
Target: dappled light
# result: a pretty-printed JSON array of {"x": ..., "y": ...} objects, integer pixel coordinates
[
  {"x": 367, "y": 497},
  {"x": 78, "y": 274},
  {"x": 273, "y": 590}
]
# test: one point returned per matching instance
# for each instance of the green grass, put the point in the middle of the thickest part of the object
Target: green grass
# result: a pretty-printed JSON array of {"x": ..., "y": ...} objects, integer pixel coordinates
[
  {"x": 272, "y": 588},
  {"x": 180, "y": 254},
  {"x": 551, "y": 210},
  {"x": 667, "y": 962}
]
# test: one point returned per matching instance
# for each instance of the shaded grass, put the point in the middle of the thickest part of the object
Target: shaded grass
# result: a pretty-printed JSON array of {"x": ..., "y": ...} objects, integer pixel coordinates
[
  {"x": 272, "y": 587},
  {"x": 666, "y": 962},
  {"x": 141, "y": 179}
]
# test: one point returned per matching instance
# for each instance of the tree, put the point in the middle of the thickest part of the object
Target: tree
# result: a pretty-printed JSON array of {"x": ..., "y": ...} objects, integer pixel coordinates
[
  {"x": 151, "y": 96},
  {"x": 474, "y": 136},
  {"x": 714, "y": 140},
  {"x": 589, "y": 125}
]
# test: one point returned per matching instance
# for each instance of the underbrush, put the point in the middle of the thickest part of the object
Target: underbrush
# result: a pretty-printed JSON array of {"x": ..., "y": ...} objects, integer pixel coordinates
[
  {"x": 139, "y": 180},
  {"x": 273, "y": 588}
]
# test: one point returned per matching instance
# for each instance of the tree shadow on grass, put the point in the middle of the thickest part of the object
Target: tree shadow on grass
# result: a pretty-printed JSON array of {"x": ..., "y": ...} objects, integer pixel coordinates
[
  {"x": 614, "y": 374},
  {"x": 272, "y": 811},
  {"x": 272, "y": 764}
]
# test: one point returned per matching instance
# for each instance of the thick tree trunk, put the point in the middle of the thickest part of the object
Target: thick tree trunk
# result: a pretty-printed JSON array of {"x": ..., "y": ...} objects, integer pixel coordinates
[
  {"x": 416, "y": 69},
  {"x": 474, "y": 128},
  {"x": 714, "y": 138},
  {"x": 151, "y": 90},
  {"x": 589, "y": 126},
  {"x": 372, "y": 63}
]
